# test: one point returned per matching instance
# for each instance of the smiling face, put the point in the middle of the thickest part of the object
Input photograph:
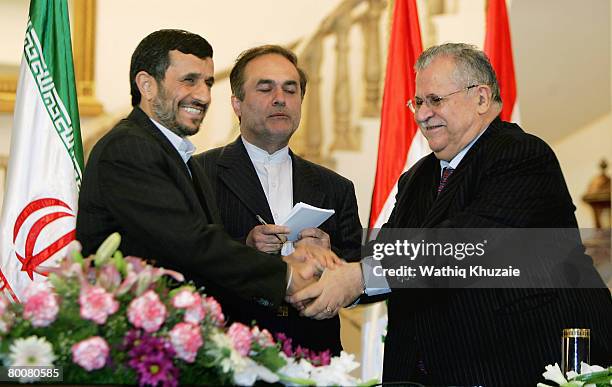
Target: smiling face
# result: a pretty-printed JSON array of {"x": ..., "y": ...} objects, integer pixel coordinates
[
  {"x": 449, "y": 127},
  {"x": 270, "y": 111},
  {"x": 180, "y": 101}
]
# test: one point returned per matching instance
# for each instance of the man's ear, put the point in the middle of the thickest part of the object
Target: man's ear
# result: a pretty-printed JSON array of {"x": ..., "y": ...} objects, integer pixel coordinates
[
  {"x": 237, "y": 106},
  {"x": 147, "y": 85},
  {"x": 484, "y": 98}
]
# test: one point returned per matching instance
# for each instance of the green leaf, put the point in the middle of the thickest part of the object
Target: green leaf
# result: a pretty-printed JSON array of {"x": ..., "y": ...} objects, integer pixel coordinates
[
  {"x": 269, "y": 358},
  {"x": 298, "y": 381},
  {"x": 107, "y": 248},
  {"x": 371, "y": 382},
  {"x": 588, "y": 378},
  {"x": 120, "y": 263}
]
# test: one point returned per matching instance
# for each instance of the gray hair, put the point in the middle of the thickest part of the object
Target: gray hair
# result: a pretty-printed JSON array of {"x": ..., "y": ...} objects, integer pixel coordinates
[{"x": 472, "y": 65}]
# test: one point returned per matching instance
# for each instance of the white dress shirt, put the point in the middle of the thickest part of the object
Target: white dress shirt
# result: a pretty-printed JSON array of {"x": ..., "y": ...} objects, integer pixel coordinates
[
  {"x": 275, "y": 173},
  {"x": 183, "y": 146}
]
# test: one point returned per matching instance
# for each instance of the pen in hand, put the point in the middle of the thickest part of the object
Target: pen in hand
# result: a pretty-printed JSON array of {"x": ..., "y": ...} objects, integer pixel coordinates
[{"x": 262, "y": 221}]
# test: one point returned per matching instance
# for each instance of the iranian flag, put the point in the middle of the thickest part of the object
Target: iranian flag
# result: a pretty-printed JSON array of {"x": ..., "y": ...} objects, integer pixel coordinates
[
  {"x": 401, "y": 144},
  {"x": 46, "y": 157},
  {"x": 498, "y": 47}
]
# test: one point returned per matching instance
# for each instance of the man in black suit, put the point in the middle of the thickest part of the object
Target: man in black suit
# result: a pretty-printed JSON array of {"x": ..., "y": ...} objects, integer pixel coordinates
[
  {"x": 499, "y": 176},
  {"x": 259, "y": 176},
  {"x": 140, "y": 181}
]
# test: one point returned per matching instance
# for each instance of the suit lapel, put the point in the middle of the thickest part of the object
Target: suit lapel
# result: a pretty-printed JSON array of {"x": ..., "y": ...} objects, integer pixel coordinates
[
  {"x": 204, "y": 192},
  {"x": 144, "y": 122},
  {"x": 453, "y": 191},
  {"x": 196, "y": 180},
  {"x": 416, "y": 196},
  {"x": 238, "y": 174},
  {"x": 306, "y": 184}
]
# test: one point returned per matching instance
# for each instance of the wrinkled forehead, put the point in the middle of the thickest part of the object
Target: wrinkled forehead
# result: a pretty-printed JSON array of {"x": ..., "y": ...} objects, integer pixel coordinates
[
  {"x": 440, "y": 76},
  {"x": 271, "y": 67}
]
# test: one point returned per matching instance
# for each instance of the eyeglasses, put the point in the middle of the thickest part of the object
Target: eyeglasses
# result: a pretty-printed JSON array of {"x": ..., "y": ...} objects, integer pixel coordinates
[{"x": 432, "y": 101}]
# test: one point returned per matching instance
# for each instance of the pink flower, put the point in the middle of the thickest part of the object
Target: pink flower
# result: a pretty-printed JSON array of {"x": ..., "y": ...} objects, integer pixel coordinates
[
  {"x": 91, "y": 353},
  {"x": 213, "y": 311},
  {"x": 40, "y": 304},
  {"x": 196, "y": 313},
  {"x": 147, "y": 312},
  {"x": 109, "y": 277},
  {"x": 97, "y": 304},
  {"x": 186, "y": 340},
  {"x": 185, "y": 298},
  {"x": 263, "y": 338},
  {"x": 241, "y": 337}
]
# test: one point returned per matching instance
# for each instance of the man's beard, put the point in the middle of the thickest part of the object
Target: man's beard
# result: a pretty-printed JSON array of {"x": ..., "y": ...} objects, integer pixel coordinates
[{"x": 167, "y": 116}]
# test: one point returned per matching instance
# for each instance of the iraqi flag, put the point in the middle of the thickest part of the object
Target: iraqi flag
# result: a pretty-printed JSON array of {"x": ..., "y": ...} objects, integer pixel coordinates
[
  {"x": 498, "y": 47},
  {"x": 401, "y": 144},
  {"x": 46, "y": 156}
]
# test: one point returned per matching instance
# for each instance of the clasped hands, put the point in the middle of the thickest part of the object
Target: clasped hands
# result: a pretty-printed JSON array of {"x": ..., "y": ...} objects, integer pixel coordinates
[
  {"x": 320, "y": 298},
  {"x": 320, "y": 283}
]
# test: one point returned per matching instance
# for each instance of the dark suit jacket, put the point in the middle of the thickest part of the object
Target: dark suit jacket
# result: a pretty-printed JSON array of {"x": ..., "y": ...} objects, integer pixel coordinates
[
  {"x": 240, "y": 197},
  {"x": 137, "y": 184},
  {"x": 491, "y": 337}
]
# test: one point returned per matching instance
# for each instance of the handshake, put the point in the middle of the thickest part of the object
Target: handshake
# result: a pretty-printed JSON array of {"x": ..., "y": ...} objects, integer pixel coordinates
[{"x": 320, "y": 283}]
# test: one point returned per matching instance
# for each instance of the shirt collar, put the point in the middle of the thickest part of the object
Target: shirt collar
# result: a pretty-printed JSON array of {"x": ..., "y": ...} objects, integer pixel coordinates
[
  {"x": 454, "y": 163},
  {"x": 262, "y": 156},
  {"x": 183, "y": 146}
]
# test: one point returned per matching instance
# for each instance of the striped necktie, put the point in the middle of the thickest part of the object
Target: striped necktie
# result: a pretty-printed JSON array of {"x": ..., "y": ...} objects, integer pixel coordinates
[{"x": 446, "y": 172}]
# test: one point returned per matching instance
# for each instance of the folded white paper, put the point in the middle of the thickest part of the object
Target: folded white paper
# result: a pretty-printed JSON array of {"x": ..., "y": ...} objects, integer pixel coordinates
[{"x": 305, "y": 216}]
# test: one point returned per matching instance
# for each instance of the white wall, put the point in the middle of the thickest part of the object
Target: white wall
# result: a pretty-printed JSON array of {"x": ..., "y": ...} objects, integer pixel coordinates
[
  {"x": 13, "y": 22},
  {"x": 230, "y": 27},
  {"x": 234, "y": 26},
  {"x": 580, "y": 154}
]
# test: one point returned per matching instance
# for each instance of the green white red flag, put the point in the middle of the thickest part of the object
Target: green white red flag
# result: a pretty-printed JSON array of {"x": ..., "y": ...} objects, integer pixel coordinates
[{"x": 46, "y": 155}]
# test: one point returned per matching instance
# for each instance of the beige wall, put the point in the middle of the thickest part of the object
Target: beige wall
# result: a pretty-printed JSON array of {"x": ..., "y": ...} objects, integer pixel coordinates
[
  {"x": 121, "y": 25},
  {"x": 579, "y": 155}
]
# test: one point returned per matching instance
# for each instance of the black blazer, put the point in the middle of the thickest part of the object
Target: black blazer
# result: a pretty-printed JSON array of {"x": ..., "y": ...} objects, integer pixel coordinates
[
  {"x": 137, "y": 184},
  {"x": 492, "y": 337},
  {"x": 240, "y": 197}
]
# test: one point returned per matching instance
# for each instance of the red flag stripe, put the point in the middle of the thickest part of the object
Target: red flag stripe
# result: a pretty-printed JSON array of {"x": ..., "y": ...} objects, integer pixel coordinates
[
  {"x": 498, "y": 47},
  {"x": 397, "y": 126},
  {"x": 32, "y": 207},
  {"x": 7, "y": 287}
]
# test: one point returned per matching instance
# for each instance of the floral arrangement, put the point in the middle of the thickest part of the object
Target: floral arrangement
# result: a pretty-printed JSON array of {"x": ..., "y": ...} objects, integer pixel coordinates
[
  {"x": 110, "y": 319},
  {"x": 589, "y": 376}
]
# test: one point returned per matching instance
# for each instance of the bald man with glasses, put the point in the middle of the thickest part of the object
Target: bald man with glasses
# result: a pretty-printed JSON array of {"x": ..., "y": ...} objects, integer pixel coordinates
[{"x": 483, "y": 173}]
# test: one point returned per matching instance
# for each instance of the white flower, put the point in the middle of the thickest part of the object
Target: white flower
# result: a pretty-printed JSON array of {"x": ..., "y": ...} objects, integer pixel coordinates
[
  {"x": 337, "y": 372},
  {"x": 293, "y": 369},
  {"x": 31, "y": 352},
  {"x": 554, "y": 373},
  {"x": 587, "y": 369},
  {"x": 224, "y": 344},
  {"x": 251, "y": 372}
]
